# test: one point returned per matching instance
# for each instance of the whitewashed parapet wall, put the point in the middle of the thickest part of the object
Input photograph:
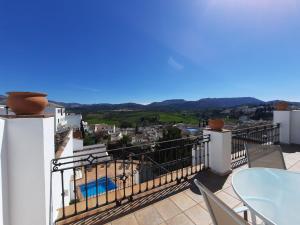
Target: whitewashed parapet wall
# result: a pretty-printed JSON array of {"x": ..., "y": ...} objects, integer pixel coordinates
[
  {"x": 3, "y": 176},
  {"x": 289, "y": 126},
  {"x": 27, "y": 147},
  {"x": 67, "y": 176},
  {"x": 219, "y": 151}
]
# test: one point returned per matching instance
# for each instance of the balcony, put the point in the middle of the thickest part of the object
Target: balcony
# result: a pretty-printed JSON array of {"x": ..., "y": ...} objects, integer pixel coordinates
[
  {"x": 121, "y": 176},
  {"x": 152, "y": 183},
  {"x": 188, "y": 207},
  {"x": 148, "y": 184},
  {"x": 181, "y": 203}
]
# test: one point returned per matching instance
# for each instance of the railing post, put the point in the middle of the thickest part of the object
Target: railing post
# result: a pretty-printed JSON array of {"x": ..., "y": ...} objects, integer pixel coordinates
[
  {"x": 219, "y": 151},
  {"x": 284, "y": 119},
  {"x": 28, "y": 150}
]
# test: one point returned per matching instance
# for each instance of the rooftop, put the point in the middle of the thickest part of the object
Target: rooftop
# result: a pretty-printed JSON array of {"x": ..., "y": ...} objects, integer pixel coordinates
[{"x": 180, "y": 203}]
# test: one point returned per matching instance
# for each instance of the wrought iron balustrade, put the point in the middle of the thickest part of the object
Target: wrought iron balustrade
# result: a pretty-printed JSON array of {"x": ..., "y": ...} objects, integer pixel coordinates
[
  {"x": 259, "y": 135},
  {"x": 84, "y": 182}
]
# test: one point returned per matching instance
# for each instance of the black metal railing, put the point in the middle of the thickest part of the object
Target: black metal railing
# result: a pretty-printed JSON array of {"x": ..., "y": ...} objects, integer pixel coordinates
[
  {"x": 84, "y": 182},
  {"x": 259, "y": 134}
]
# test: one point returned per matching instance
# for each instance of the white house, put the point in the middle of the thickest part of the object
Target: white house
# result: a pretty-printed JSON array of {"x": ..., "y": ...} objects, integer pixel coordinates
[
  {"x": 59, "y": 114},
  {"x": 105, "y": 128},
  {"x": 4, "y": 110},
  {"x": 73, "y": 120}
]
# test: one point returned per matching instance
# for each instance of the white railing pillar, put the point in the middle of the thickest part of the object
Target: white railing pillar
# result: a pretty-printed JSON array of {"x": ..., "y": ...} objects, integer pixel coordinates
[
  {"x": 284, "y": 119},
  {"x": 289, "y": 126},
  {"x": 219, "y": 151},
  {"x": 28, "y": 150}
]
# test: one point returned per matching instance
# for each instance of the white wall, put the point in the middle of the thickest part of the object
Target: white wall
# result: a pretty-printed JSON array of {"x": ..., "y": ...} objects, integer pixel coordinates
[
  {"x": 29, "y": 145},
  {"x": 3, "y": 173},
  {"x": 59, "y": 116},
  {"x": 77, "y": 144},
  {"x": 219, "y": 151},
  {"x": 74, "y": 120},
  {"x": 289, "y": 126},
  {"x": 295, "y": 127},
  {"x": 284, "y": 119},
  {"x": 67, "y": 175}
]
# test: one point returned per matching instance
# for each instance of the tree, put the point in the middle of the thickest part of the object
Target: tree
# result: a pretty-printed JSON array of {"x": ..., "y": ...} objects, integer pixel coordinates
[
  {"x": 101, "y": 136},
  {"x": 125, "y": 124},
  {"x": 136, "y": 129},
  {"x": 89, "y": 139},
  {"x": 125, "y": 141},
  {"x": 171, "y": 133}
]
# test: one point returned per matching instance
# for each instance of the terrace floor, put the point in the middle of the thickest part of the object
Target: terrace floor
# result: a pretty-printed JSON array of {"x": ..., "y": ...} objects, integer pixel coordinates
[{"x": 181, "y": 204}]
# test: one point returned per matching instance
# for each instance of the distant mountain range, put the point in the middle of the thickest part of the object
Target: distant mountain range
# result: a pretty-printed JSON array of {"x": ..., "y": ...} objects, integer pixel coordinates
[
  {"x": 2, "y": 100},
  {"x": 173, "y": 104}
]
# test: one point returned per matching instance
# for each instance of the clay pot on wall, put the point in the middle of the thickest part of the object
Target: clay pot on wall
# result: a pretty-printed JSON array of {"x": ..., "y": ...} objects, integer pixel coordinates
[
  {"x": 282, "y": 106},
  {"x": 216, "y": 124},
  {"x": 27, "y": 103}
]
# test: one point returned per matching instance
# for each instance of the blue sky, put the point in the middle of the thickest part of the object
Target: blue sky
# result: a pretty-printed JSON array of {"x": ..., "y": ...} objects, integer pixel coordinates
[{"x": 95, "y": 51}]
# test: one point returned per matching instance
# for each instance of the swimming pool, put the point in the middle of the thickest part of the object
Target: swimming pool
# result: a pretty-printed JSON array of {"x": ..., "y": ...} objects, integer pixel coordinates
[
  {"x": 192, "y": 130},
  {"x": 92, "y": 189}
]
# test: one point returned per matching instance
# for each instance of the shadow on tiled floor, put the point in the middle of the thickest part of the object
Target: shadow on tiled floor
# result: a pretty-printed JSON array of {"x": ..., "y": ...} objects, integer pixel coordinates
[
  {"x": 210, "y": 180},
  {"x": 127, "y": 208},
  {"x": 180, "y": 203},
  {"x": 214, "y": 182},
  {"x": 290, "y": 148}
]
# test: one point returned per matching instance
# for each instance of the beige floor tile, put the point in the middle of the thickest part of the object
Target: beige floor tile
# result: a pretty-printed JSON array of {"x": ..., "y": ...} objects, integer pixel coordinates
[
  {"x": 181, "y": 219},
  {"x": 288, "y": 165},
  {"x": 295, "y": 167},
  {"x": 231, "y": 192},
  {"x": 203, "y": 205},
  {"x": 292, "y": 159},
  {"x": 183, "y": 201},
  {"x": 198, "y": 215},
  {"x": 130, "y": 219},
  {"x": 228, "y": 199},
  {"x": 148, "y": 216},
  {"x": 167, "y": 209},
  {"x": 227, "y": 183},
  {"x": 196, "y": 197}
]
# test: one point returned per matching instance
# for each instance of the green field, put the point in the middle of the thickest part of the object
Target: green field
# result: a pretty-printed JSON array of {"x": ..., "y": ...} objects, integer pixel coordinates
[{"x": 140, "y": 118}]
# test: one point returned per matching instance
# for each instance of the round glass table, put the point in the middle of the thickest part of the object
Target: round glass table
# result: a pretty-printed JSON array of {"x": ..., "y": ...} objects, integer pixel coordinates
[{"x": 272, "y": 194}]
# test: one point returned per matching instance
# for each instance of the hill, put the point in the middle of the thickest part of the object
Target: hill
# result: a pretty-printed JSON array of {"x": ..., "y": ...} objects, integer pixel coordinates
[
  {"x": 167, "y": 105},
  {"x": 172, "y": 104}
]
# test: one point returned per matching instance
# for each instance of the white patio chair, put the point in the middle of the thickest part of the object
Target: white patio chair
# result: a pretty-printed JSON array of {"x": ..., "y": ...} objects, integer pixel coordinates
[
  {"x": 268, "y": 156},
  {"x": 220, "y": 213}
]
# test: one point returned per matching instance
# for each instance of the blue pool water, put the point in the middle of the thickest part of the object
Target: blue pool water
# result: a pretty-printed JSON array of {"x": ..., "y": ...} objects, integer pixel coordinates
[
  {"x": 192, "y": 130},
  {"x": 92, "y": 190}
]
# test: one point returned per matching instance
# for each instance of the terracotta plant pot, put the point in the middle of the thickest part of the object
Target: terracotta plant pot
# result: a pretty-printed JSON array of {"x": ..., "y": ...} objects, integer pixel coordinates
[
  {"x": 282, "y": 106},
  {"x": 216, "y": 124},
  {"x": 27, "y": 103}
]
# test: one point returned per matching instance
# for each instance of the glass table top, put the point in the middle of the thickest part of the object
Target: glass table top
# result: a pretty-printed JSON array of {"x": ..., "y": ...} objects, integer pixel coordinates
[{"x": 273, "y": 194}]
